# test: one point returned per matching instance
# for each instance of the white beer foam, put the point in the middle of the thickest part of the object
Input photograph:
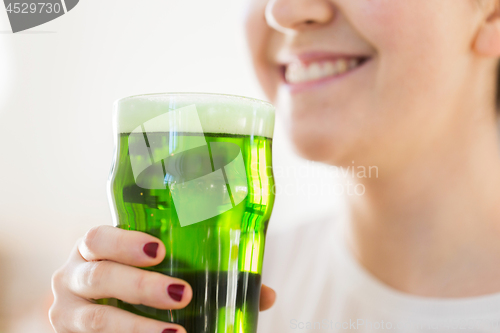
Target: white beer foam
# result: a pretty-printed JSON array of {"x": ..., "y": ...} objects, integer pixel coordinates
[{"x": 217, "y": 113}]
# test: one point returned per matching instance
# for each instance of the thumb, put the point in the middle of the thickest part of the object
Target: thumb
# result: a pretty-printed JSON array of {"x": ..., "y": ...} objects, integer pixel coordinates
[{"x": 267, "y": 297}]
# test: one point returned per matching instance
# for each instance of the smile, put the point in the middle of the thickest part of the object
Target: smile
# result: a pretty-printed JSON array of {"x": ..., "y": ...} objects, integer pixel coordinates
[{"x": 298, "y": 72}]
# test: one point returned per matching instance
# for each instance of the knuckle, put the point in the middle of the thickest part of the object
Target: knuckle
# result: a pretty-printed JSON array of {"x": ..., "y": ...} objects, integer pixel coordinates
[
  {"x": 122, "y": 237},
  {"x": 57, "y": 280},
  {"x": 147, "y": 286},
  {"x": 90, "y": 238},
  {"x": 94, "y": 274},
  {"x": 95, "y": 318},
  {"x": 55, "y": 317},
  {"x": 141, "y": 283},
  {"x": 119, "y": 241}
]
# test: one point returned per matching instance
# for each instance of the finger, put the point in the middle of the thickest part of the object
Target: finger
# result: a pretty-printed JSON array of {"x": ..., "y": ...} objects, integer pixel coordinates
[
  {"x": 107, "y": 279},
  {"x": 267, "y": 298},
  {"x": 93, "y": 318},
  {"x": 125, "y": 246}
]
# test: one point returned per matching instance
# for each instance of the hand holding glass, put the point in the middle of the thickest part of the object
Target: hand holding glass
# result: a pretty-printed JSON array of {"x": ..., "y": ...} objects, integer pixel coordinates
[{"x": 195, "y": 171}]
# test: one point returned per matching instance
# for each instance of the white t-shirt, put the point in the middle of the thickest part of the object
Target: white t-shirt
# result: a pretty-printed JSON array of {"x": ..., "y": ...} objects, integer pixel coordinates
[{"x": 322, "y": 288}]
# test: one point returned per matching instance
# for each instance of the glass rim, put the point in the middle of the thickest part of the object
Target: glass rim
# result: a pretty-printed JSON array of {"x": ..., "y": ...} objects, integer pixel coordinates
[{"x": 249, "y": 99}]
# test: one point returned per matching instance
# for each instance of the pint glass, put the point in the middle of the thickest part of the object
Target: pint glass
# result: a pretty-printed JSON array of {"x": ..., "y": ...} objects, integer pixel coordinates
[{"x": 195, "y": 171}]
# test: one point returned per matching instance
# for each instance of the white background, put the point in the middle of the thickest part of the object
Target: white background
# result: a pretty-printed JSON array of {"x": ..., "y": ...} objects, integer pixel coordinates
[{"x": 58, "y": 82}]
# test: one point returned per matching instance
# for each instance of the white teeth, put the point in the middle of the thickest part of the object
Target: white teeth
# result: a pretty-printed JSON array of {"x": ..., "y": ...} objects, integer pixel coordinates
[
  {"x": 298, "y": 73},
  {"x": 315, "y": 71},
  {"x": 294, "y": 73},
  {"x": 329, "y": 68},
  {"x": 342, "y": 66}
]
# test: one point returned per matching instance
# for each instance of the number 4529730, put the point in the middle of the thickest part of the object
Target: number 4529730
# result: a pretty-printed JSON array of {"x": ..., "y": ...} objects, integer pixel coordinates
[{"x": 32, "y": 8}]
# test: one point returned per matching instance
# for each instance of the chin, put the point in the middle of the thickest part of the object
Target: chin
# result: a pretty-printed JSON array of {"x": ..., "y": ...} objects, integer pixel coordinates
[
  {"x": 318, "y": 147},
  {"x": 328, "y": 132}
]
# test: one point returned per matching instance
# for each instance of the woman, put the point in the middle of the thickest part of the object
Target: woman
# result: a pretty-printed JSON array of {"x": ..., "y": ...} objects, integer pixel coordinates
[{"x": 406, "y": 86}]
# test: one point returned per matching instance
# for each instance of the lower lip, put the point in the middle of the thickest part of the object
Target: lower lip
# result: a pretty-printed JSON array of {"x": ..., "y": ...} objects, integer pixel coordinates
[{"x": 300, "y": 87}]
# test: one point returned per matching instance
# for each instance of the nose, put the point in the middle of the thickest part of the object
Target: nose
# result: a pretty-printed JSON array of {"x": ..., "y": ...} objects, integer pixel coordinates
[{"x": 291, "y": 15}]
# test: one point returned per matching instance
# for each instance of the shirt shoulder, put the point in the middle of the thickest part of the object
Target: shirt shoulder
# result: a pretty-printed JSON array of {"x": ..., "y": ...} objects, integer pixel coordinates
[{"x": 303, "y": 246}]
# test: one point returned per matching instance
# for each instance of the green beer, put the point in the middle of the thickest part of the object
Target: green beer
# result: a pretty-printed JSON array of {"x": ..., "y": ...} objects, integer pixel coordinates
[{"x": 195, "y": 170}]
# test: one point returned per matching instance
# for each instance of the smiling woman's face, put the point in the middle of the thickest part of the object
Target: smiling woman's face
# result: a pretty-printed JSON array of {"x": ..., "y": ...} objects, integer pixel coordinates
[{"x": 370, "y": 81}]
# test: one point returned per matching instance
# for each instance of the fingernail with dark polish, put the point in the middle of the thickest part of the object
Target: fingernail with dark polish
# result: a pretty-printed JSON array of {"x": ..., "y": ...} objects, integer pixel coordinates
[
  {"x": 176, "y": 291},
  {"x": 169, "y": 330},
  {"x": 150, "y": 249}
]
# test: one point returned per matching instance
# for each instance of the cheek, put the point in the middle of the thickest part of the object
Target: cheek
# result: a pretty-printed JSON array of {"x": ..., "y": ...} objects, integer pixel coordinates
[
  {"x": 260, "y": 38},
  {"x": 413, "y": 27},
  {"x": 393, "y": 25},
  {"x": 422, "y": 48}
]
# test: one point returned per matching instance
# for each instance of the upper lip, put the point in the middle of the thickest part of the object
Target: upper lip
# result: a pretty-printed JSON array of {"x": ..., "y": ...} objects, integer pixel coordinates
[{"x": 306, "y": 58}]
